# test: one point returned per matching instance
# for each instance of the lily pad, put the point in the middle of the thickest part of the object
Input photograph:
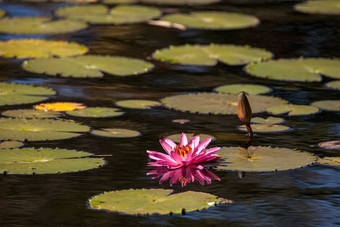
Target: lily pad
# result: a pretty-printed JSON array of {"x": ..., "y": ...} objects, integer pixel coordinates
[
  {"x": 335, "y": 144},
  {"x": 14, "y": 94},
  {"x": 116, "y": 133},
  {"x": 88, "y": 66},
  {"x": 100, "y": 14},
  {"x": 153, "y": 201},
  {"x": 327, "y": 7},
  {"x": 39, "y": 129},
  {"x": 119, "y": 1},
  {"x": 46, "y": 161},
  {"x": 217, "y": 103},
  {"x": 252, "y": 89},
  {"x": 293, "y": 110},
  {"x": 138, "y": 104},
  {"x": 332, "y": 105},
  {"x": 30, "y": 113},
  {"x": 39, "y": 25},
  {"x": 39, "y": 48},
  {"x": 333, "y": 161},
  {"x": 208, "y": 55},
  {"x": 96, "y": 112},
  {"x": 180, "y": 2},
  {"x": 213, "y": 20},
  {"x": 177, "y": 137},
  {"x": 263, "y": 159},
  {"x": 2, "y": 13},
  {"x": 11, "y": 144},
  {"x": 333, "y": 85},
  {"x": 268, "y": 120},
  {"x": 302, "y": 69},
  {"x": 60, "y": 106},
  {"x": 265, "y": 128}
]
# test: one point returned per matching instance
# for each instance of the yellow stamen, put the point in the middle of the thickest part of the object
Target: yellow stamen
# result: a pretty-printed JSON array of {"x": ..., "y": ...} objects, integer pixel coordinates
[{"x": 183, "y": 150}]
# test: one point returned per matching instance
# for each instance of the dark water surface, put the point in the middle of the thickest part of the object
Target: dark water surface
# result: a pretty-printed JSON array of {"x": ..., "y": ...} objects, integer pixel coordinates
[{"x": 304, "y": 197}]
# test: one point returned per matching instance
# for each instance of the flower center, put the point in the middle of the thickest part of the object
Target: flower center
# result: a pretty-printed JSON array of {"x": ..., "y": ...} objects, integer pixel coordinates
[{"x": 183, "y": 150}]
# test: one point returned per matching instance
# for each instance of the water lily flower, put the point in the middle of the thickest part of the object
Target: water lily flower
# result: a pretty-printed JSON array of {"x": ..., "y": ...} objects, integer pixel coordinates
[{"x": 184, "y": 154}]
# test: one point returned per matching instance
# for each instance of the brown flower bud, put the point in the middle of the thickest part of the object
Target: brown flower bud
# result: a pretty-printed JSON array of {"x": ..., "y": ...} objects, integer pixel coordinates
[{"x": 243, "y": 109}]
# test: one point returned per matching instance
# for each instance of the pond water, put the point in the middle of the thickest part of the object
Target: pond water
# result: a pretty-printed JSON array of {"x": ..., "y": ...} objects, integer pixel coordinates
[{"x": 305, "y": 197}]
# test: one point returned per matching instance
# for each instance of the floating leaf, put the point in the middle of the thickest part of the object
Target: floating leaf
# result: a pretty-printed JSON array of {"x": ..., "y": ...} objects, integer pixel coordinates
[
  {"x": 335, "y": 144},
  {"x": 153, "y": 201},
  {"x": 46, "y": 161},
  {"x": 119, "y": 1},
  {"x": 116, "y": 133},
  {"x": 333, "y": 84},
  {"x": 60, "y": 106},
  {"x": 252, "y": 89},
  {"x": 265, "y": 128},
  {"x": 138, "y": 104},
  {"x": 96, "y": 112},
  {"x": 14, "y": 94},
  {"x": 39, "y": 129},
  {"x": 293, "y": 110},
  {"x": 269, "y": 120},
  {"x": 177, "y": 137},
  {"x": 217, "y": 103},
  {"x": 180, "y": 2},
  {"x": 328, "y": 7},
  {"x": 333, "y": 161},
  {"x": 30, "y": 113},
  {"x": 332, "y": 105},
  {"x": 302, "y": 69},
  {"x": 2, "y": 13},
  {"x": 39, "y": 25},
  {"x": 11, "y": 144},
  {"x": 88, "y": 66},
  {"x": 39, "y": 48},
  {"x": 213, "y": 20},
  {"x": 263, "y": 159}
]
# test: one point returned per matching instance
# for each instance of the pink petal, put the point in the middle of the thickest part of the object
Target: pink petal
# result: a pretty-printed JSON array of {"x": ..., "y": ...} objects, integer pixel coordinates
[
  {"x": 184, "y": 140},
  {"x": 166, "y": 146},
  {"x": 176, "y": 157},
  {"x": 171, "y": 143},
  {"x": 188, "y": 157},
  {"x": 202, "y": 146},
  {"x": 212, "y": 150},
  {"x": 194, "y": 142},
  {"x": 204, "y": 158},
  {"x": 160, "y": 157}
]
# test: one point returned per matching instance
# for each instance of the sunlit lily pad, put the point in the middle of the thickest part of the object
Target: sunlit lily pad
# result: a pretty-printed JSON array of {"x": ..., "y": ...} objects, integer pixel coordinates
[
  {"x": 333, "y": 85},
  {"x": 332, "y": 105},
  {"x": 328, "y": 7},
  {"x": 335, "y": 144},
  {"x": 138, "y": 104},
  {"x": 333, "y": 161},
  {"x": 39, "y": 25},
  {"x": 88, "y": 66},
  {"x": 263, "y": 159},
  {"x": 60, "y": 106},
  {"x": 116, "y": 133},
  {"x": 46, "y": 161},
  {"x": 253, "y": 89},
  {"x": 11, "y": 144},
  {"x": 213, "y": 20},
  {"x": 14, "y": 94},
  {"x": 180, "y": 2},
  {"x": 39, "y": 129},
  {"x": 2, "y": 13},
  {"x": 30, "y": 113},
  {"x": 217, "y": 103},
  {"x": 208, "y": 55},
  {"x": 100, "y": 14},
  {"x": 293, "y": 110},
  {"x": 268, "y": 120},
  {"x": 119, "y": 1},
  {"x": 177, "y": 137},
  {"x": 153, "y": 201},
  {"x": 302, "y": 69},
  {"x": 39, "y": 48},
  {"x": 96, "y": 112},
  {"x": 265, "y": 128}
]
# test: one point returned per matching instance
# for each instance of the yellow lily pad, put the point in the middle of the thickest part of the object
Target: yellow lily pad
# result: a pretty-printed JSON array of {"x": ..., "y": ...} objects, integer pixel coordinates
[
  {"x": 293, "y": 110},
  {"x": 268, "y": 120},
  {"x": 327, "y": 7},
  {"x": 138, "y": 104},
  {"x": 333, "y": 161},
  {"x": 60, "y": 106},
  {"x": 2, "y": 13},
  {"x": 333, "y": 85},
  {"x": 331, "y": 105},
  {"x": 11, "y": 144},
  {"x": 265, "y": 128},
  {"x": 30, "y": 113},
  {"x": 252, "y": 89},
  {"x": 180, "y": 2},
  {"x": 177, "y": 137},
  {"x": 120, "y": 1},
  {"x": 116, "y": 133},
  {"x": 96, "y": 112}
]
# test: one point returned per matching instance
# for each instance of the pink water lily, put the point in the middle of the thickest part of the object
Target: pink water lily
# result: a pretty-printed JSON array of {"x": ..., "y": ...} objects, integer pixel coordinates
[{"x": 184, "y": 154}]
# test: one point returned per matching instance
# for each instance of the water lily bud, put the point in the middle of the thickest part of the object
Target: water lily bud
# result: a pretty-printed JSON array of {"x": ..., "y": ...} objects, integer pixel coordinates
[{"x": 243, "y": 109}]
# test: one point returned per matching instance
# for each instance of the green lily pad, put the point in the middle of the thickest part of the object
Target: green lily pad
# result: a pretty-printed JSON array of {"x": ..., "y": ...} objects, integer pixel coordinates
[
  {"x": 39, "y": 48},
  {"x": 116, "y": 133},
  {"x": 252, "y": 89},
  {"x": 2, "y": 13},
  {"x": 332, "y": 105},
  {"x": 46, "y": 161},
  {"x": 293, "y": 110},
  {"x": 213, "y": 20},
  {"x": 96, "y": 112},
  {"x": 302, "y": 69},
  {"x": 263, "y": 159},
  {"x": 327, "y": 7},
  {"x": 138, "y": 104},
  {"x": 100, "y": 14},
  {"x": 11, "y": 144},
  {"x": 265, "y": 128},
  {"x": 153, "y": 201},
  {"x": 333, "y": 85},
  {"x": 119, "y": 1},
  {"x": 335, "y": 144},
  {"x": 269, "y": 120},
  {"x": 177, "y": 137},
  {"x": 88, "y": 66},
  {"x": 208, "y": 55},
  {"x": 14, "y": 94},
  {"x": 39, "y": 129},
  {"x": 30, "y": 113},
  {"x": 39, "y": 25},
  {"x": 333, "y": 161},
  {"x": 180, "y": 2},
  {"x": 217, "y": 103}
]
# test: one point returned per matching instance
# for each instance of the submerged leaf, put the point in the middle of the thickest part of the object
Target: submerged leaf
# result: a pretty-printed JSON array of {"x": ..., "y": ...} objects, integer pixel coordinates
[
  {"x": 96, "y": 112},
  {"x": 116, "y": 133},
  {"x": 60, "y": 106},
  {"x": 331, "y": 105},
  {"x": 2, "y": 13},
  {"x": 11, "y": 144},
  {"x": 252, "y": 89},
  {"x": 30, "y": 113},
  {"x": 269, "y": 120},
  {"x": 180, "y": 2},
  {"x": 293, "y": 110},
  {"x": 138, "y": 104},
  {"x": 265, "y": 128}
]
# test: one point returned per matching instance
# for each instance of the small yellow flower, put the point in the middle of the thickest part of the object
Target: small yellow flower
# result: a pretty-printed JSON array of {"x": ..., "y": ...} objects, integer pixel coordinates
[{"x": 60, "y": 106}]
